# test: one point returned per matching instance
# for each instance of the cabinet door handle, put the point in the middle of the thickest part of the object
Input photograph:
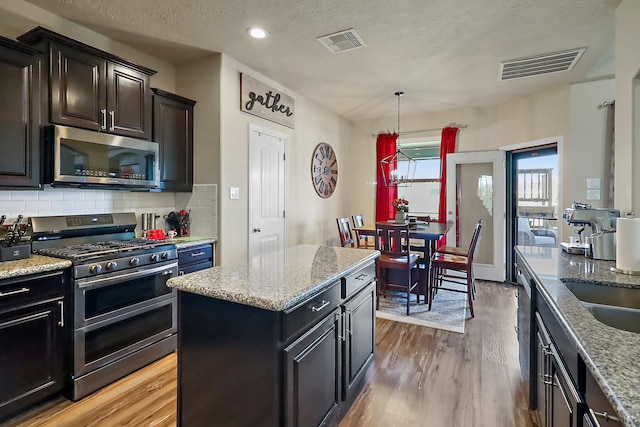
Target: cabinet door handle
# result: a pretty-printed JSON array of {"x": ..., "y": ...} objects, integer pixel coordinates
[
  {"x": 606, "y": 416},
  {"x": 17, "y": 291},
  {"x": 112, "y": 115},
  {"x": 322, "y": 305},
  {"x": 61, "y": 321},
  {"x": 103, "y": 125},
  {"x": 349, "y": 315},
  {"x": 517, "y": 330},
  {"x": 198, "y": 254}
]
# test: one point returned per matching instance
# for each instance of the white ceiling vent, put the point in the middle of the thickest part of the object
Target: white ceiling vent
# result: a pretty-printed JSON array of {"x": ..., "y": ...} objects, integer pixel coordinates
[
  {"x": 342, "y": 41},
  {"x": 543, "y": 64}
]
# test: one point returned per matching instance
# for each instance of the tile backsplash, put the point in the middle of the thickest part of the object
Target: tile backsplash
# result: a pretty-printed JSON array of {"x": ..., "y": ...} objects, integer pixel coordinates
[{"x": 56, "y": 201}]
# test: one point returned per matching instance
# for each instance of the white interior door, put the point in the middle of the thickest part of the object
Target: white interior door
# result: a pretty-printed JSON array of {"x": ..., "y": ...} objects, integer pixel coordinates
[
  {"x": 267, "y": 192},
  {"x": 476, "y": 190}
]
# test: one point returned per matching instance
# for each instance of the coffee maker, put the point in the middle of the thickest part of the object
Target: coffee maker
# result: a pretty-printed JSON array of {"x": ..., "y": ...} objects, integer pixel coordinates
[{"x": 600, "y": 243}]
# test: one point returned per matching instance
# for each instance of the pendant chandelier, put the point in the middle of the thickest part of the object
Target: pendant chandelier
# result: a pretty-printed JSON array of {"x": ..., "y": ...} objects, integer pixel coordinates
[{"x": 398, "y": 169}]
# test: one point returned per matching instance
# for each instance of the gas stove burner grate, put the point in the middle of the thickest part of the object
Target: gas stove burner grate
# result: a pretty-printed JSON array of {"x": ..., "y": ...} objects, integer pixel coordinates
[{"x": 100, "y": 249}]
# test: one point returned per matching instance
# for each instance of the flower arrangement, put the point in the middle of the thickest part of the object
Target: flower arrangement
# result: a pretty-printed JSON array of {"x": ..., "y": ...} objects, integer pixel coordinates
[{"x": 401, "y": 205}]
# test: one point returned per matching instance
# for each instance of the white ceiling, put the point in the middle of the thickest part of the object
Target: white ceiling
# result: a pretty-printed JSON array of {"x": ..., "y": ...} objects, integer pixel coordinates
[{"x": 442, "y": 53}]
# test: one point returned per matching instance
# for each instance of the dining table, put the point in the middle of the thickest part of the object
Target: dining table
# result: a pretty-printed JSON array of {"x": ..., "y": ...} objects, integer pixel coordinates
[{"x": 428, "y": 232}]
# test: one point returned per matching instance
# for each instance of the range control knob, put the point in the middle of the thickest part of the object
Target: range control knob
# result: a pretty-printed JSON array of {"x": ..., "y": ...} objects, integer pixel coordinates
[
  {"x": 112, "y": 265},
  {"x": 95, "y": 269},
  {"x": 164, "y": 255},
  {"x": 134, "y": 261},
  {"x": 154, "y": 257}
]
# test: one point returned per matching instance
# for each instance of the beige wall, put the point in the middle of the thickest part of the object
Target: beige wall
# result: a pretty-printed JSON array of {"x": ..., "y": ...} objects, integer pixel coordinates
[
  {"x": 310, "y": 219},
  {"x": 627, "y": 196}
]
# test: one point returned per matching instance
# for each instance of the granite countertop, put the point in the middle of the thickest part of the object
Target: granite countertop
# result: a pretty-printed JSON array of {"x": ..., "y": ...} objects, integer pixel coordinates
[
  {"x": 32, "y": 265},
  {"x": 278, "y": 280},
  {"x": 612, "y": 355},
  {"x": 187, "y": 242}
]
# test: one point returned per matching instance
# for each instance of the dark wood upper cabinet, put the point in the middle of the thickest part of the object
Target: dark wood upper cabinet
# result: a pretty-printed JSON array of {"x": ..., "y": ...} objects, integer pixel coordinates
[
  {"x": 93, "y": 89},
  {"x": 20, "y": 68},
  {"x": 173, "y": 130}
]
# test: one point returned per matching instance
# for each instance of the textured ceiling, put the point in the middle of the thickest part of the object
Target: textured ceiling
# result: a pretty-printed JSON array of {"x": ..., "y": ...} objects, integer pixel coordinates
[{"x": 442, "y": 53}]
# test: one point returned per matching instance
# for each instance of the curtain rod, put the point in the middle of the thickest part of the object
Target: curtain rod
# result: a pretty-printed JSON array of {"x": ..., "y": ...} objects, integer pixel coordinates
[{"x": 409, "y": 132}]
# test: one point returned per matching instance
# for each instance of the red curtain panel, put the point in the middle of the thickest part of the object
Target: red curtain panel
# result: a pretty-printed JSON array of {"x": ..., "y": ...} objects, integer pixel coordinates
[
  {"x": 385, "y": 146},
  {"x": 447, "y": 145}
]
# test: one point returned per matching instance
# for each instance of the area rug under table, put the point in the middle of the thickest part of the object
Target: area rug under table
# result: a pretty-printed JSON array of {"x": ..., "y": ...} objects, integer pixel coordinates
[{"x": 448, "y": 310}]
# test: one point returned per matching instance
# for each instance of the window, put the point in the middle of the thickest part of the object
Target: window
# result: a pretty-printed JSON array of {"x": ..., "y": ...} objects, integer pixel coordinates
[{"x": 424, "y": 193}]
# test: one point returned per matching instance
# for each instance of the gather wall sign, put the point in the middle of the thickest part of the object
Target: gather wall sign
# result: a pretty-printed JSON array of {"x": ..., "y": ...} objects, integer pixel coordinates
[{"x": 266, "y": 102}]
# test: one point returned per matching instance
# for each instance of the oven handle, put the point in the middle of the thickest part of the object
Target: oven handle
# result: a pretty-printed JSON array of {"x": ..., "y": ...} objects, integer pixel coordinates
[{"x": 166, "y": 269}]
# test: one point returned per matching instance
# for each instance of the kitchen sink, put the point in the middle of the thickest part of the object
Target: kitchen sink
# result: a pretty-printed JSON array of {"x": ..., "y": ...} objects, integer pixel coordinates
[{"x": 612, "y": 305}]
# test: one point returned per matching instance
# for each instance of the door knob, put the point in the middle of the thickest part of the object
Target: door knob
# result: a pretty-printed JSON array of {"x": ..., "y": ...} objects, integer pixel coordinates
[{"x": 256, "y": 230}]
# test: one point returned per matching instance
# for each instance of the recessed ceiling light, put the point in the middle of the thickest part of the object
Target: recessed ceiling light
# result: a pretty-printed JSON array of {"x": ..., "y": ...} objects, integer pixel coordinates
[{"x": 257, "y": 33}]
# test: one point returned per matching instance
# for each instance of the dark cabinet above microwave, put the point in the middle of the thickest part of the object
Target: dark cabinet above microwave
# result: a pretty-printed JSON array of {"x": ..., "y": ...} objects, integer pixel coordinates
[{"x": 93, "y": 89}]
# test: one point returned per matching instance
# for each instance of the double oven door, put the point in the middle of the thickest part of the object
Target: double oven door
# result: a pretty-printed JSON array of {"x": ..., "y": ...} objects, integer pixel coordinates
[{"x": 118, "y": 314}]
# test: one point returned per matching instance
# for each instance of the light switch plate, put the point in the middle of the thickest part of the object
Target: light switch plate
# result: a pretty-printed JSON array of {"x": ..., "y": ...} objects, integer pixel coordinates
[
  {"x": 593, "y": 183},
  {"x": 593, "y": 194},
  {"x": 234, "y": 193}
]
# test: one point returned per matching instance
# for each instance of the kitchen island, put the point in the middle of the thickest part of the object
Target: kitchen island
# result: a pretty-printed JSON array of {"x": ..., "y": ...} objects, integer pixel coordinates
[
  {"x": 283, "y": 339},
  {"x": 601, "y": 360}
]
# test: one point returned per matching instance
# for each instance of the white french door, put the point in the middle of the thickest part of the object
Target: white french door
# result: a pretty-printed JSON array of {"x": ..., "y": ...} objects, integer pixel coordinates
[
  {"x": 476, "y": 190},
  {"x": 267, "y": 192}
]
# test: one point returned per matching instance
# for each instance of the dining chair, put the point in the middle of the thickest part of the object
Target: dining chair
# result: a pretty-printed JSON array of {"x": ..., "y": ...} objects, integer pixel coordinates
[
  {"x": 344, "y": 230},
  {"x": 392, "y": 241},
  {"x": 443, "y": 263},
  {"x": 361, "y": 241},
  {"x": 460, "y": 250}
]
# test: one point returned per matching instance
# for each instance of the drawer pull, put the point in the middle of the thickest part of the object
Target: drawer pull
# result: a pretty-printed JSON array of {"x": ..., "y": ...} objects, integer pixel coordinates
[
  {"x": 362, "y": 277},
  {"x": 323, "y": 304},
  {"x": 198, "y": 254},
  {"x": 17, "y": 291},
  {"x": 604, "y": 415}
]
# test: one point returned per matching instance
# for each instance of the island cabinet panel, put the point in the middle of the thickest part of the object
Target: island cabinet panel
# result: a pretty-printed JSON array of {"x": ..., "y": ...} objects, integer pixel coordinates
[
  {"x": 240, "y": 365},
  {"x": 20, "y": 69},
  {"x": 360, "y": 339},
  {"x": 228, "y": 363},
  {"x": 312, "y": 374},
  {"x": 92, "y": 89}
]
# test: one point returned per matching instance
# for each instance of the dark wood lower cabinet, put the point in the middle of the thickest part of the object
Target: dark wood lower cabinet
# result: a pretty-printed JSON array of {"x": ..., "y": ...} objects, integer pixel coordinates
[
  {"x": 195, "y": 258},
  {"x": 312, "y": 374},
  {"x": 32, "y": 325},
  {"x": 240, "y": 365}
]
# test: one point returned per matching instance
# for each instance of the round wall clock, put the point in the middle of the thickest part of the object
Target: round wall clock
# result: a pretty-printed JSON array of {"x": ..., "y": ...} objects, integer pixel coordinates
[{"x": 324, "y": 170}]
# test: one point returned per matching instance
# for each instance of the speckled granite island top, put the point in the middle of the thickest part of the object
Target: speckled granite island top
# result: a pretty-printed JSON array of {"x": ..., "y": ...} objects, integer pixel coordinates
[
  {"x": 278, "y": 280},
  {"x": 612, "y": 355},
  {"x": 33, "y": 265}
]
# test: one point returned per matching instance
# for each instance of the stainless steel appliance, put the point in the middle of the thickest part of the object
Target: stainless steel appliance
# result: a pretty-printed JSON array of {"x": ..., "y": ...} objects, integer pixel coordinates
[
  {"x": 84, "y": 158},
  {"x": 599, "y": 220},
  {"x": 124, "y": 314}
]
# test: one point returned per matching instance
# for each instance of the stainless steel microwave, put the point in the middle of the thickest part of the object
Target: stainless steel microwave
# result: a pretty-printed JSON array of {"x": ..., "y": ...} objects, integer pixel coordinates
[{"x": 87, "y": 158}]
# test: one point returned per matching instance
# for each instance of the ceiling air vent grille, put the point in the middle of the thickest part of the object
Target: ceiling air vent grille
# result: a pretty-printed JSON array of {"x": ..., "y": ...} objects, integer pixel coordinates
[
  {"x": 342, "y": 41},
  {"x": 543, "y": 64}
]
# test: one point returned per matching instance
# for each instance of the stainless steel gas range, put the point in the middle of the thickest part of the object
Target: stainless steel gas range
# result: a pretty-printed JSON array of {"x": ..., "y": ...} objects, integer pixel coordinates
[{"x": 124, "y": 315}]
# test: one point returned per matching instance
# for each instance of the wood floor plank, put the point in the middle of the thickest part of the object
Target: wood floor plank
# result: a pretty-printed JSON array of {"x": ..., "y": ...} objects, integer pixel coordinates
[{"x": 420, "y": 377}]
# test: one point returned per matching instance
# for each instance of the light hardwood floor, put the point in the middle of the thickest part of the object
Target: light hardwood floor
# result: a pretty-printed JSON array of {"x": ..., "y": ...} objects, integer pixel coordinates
[{"x": 421, "y": 377}]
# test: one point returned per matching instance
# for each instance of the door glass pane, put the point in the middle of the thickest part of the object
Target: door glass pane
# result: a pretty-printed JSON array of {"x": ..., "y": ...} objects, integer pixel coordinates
[
  {"x": 475, "y": 201},
  {"x": 537, "y": 199}
]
